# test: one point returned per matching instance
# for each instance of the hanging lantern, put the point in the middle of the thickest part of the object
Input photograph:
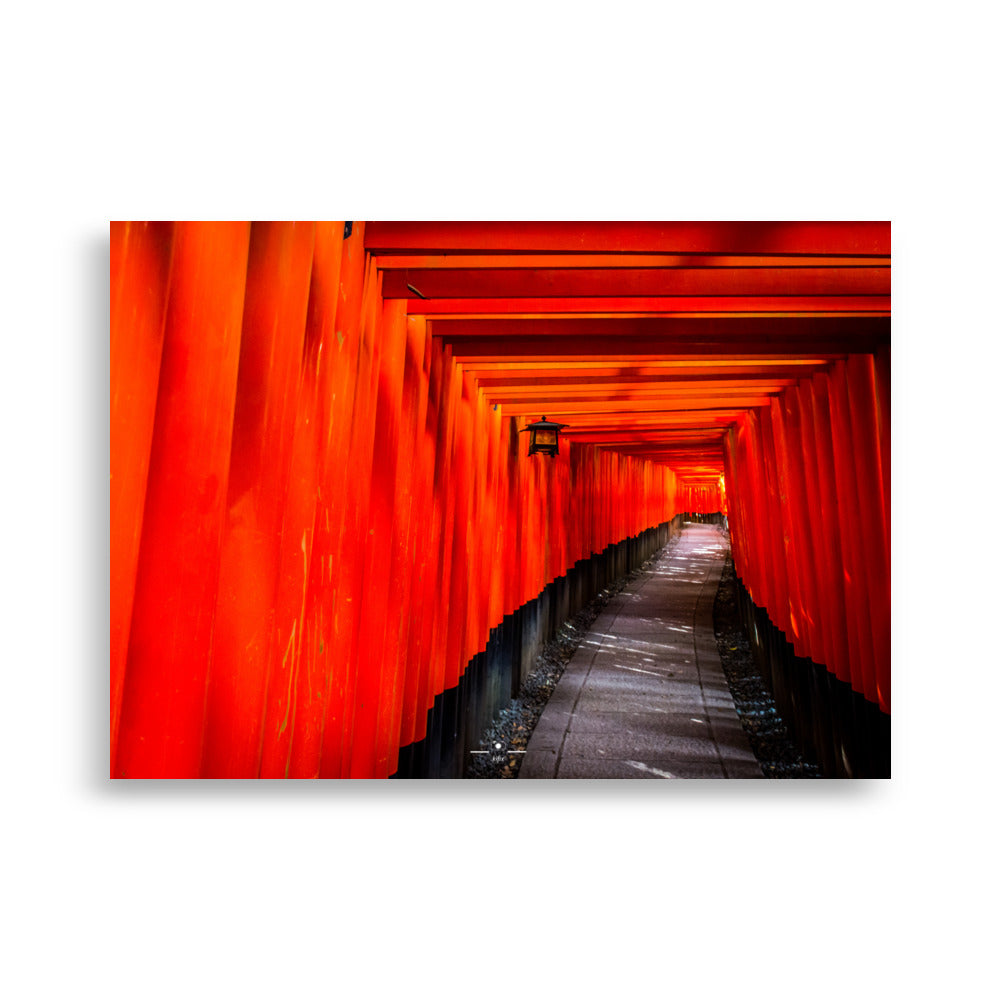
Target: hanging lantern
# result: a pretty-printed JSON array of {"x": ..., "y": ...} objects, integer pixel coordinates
[{"x": 544, "y": 437}]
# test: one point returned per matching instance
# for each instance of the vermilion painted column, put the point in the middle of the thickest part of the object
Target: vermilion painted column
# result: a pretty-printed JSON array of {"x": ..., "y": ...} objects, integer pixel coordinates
[
  {"x": 761, "y": 552},
  {"x": 372, "y": 474},
  {"x": 799, "y": 438},
  {"x": 872, "y": 526},
  {"x": 457, "y": 572},
  {"x": 882, "y": 391},
  {"x": 406, "y": 552},
  {"x": 342, "y": 297},
  {"x": 357, "y": 526},
  {"x": 856, "y": 604},
  {"x": 293, "y": 650},
  {"x": 428, "y": 596},
  {"x": 163, "y": 700},
  {"x": 274, "y": 316},
  {"x": 329, "y": 372},
  {"x": 819, "y": 599},
  {"x": 512, "y": 562},
  {"x": 498, "y": 508},
  {"x": 797, "y": 627},
  {"x": 141, "y": 254},
  {"x": 832, "y": 559},
  {"x": 774, "y": 522},
  {"x": 741, "y": 472},
  {"x": 378, "y": 646},
  {"x": 734, "y": 490},
  {"x": 445, "y": 498},
  {"x": 478, "y": 516}
]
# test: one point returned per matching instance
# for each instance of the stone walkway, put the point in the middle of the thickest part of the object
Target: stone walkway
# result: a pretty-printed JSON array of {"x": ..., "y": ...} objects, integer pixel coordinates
[{"x": 644, "y": 695}]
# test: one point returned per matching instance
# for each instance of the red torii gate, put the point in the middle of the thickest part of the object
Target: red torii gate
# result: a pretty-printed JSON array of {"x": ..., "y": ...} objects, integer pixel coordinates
[{"x": 320, "y": 504}]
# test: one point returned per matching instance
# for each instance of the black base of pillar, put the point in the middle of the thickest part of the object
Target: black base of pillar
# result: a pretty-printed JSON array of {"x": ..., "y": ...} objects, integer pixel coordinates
[{"x": 847, "y": 735}]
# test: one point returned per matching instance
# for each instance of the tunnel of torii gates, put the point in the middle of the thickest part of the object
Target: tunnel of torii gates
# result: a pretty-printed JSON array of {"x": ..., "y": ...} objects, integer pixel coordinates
[{"x": 331, "y": 554}]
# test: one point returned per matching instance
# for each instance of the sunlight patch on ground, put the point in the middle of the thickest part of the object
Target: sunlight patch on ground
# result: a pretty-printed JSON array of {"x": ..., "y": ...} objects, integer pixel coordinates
[
  {"x": 638, "y": 670},
  {"x": 641, "y": 766}
]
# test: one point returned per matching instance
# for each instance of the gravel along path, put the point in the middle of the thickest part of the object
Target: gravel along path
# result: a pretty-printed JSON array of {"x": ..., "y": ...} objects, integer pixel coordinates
[
  {"x": 777, "y": 755},
  {"x": 512, "y": 728}
]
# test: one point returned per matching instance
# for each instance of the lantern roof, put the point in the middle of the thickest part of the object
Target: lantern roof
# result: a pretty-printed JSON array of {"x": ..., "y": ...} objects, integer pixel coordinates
[{"x": 544, "y": 425}]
